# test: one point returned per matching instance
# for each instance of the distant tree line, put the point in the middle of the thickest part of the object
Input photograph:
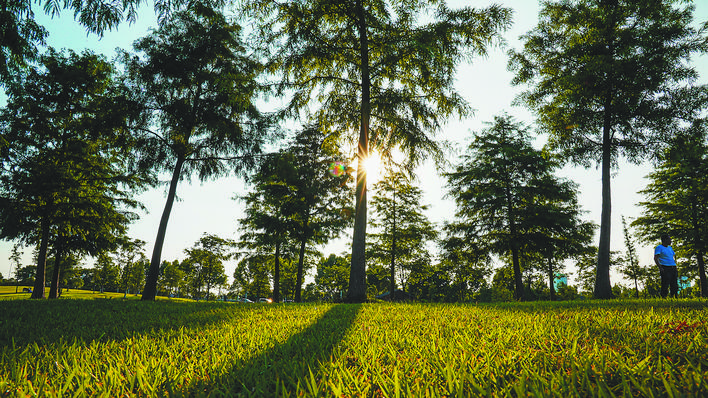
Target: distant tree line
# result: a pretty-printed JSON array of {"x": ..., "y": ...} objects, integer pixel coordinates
[{"x": 82, "y": 135}]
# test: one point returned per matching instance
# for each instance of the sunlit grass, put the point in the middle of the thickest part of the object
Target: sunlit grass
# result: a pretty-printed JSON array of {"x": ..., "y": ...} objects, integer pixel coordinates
[{"x": 130, "y": 348}]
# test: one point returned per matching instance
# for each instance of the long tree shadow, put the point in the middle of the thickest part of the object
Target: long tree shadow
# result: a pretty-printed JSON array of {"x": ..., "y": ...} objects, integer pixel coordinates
[{"x": 278, "y": 371}]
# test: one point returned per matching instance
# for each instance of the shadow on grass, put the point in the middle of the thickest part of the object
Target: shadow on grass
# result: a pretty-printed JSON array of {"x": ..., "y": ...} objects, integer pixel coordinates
[
  {"x": 24, "y": 322},
  {"x": 279, "y": 371}
]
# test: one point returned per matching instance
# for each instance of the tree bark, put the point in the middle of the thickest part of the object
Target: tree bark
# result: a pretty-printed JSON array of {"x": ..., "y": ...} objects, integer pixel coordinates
[
  {"x": 393, "y": 251},
  {"x": 300, "y": 270},
  {"x": 603, "y": 287},
  {"x": 357, "y": 275},
  {"x": 301, "y": 258},
  {"x": 56, "y": 273},
  {"x": 551, "y": 286},
  {"x": 39, "y": 277},
  {"x": 150, "y": 289},
  {"x": 276, "y": 274}
]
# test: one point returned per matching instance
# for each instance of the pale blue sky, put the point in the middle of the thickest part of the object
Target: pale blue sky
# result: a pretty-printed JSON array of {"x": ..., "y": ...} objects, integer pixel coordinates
[{"x": 485, "y": 83}]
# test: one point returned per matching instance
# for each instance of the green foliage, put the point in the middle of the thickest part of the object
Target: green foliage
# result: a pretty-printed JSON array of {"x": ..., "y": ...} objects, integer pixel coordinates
[
  {"x": 610, "y": 79},
  {"x": 510, "y": 203},
  {"x": 382, "y": 73},
  {"x": 204, "y": 264},
  {"x": 197, "y": 86},
  {"x": 590, "y": 348},
  {"x": 677, "y": 199},
  {"x": 66, "y": 180},
  {"x": 401, "y": 231}
]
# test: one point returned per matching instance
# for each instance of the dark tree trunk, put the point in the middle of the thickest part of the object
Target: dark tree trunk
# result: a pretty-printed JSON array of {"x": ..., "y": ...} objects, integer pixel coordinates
[
  {"x": 603, "y": 287},
  {"x": 300, "y": 270},
  {"x": 301, "y": 258},
  {"x": 551, "y": 286},
  {"x": 56, "y": 273},
  {"x": 357, "y": 275},
  {"x": 39, "y": 278},
  {"x": 393, "y": 251},
  {"x": 150, "y": 290},
  {"x": 276, "y": 274},
  {"x": 702, "y": 273}
]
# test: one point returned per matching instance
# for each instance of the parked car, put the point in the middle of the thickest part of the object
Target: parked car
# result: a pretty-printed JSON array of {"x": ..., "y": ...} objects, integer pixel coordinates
[
  {"x": 244, "y": 300},
  {"x": 265, "y": 300}
]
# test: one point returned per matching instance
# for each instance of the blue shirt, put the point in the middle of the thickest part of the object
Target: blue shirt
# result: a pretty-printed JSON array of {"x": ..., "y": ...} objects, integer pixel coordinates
[{"x": 666, "y": 255}]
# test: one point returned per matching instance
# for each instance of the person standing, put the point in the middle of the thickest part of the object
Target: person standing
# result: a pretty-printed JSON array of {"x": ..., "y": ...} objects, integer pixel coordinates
[{"x": 665, "y": 259}]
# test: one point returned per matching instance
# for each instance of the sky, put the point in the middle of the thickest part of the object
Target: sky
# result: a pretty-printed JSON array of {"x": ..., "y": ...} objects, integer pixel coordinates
[{"x": 208, "y": 207}]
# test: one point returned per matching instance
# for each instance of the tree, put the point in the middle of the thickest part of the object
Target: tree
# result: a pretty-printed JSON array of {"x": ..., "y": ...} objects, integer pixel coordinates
[
  {"x": 606, "y": 81},
  {"x": 631, "y": 268},
  {"x": 106, "y": 273},
  {"x": 66, "y": 180},
  {"x": 266, "y": 225},
  {"x": 465, "y": 260},
  {"x": 505, "y": 193},
  {"x": 677, "y": 198},
  {"x": 379, "y": 74},
  {"x": 132, "y": 262},
  {"x": 316, "y": 199},
  {"x": 20, "y": 35},
  {"x": 172, "y": 277},
  {"x": 402, "y": 231},
  {"x": 198, "y": 88},
  {"x": 554, "y": 226},
  {"x": 332, "y": 276},
  {"x": 206, "y": 262}
]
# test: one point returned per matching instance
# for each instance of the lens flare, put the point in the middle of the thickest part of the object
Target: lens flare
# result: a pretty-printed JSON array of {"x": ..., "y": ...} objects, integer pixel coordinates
[{"x": 337, "y": 169}]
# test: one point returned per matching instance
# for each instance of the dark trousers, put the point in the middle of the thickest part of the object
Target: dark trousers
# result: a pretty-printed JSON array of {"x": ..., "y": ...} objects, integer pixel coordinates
[{"x": 669, "y": 279}]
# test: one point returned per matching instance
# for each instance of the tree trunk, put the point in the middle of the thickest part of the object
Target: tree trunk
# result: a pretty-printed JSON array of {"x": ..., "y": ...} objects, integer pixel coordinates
[
  {"x": 56, "y": 273},
  {"x": 357, "y": 275},
  {"x": 276, "y": 274},
  {"x": 300, "y": 270},
  {"x": 150, "y": 289},
  {"x": 301, "y": 258},
  {"x": 38, "y": 290},
  {"x": 551, "y": 286},
  {"x": 702, "y": 273},
  {"x": 393, "y": 251},
  {"x": 603, "y": 287}
]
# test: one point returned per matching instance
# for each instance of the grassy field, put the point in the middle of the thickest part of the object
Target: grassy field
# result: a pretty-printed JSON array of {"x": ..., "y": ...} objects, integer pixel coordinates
[{"x": 114, "y": 347}]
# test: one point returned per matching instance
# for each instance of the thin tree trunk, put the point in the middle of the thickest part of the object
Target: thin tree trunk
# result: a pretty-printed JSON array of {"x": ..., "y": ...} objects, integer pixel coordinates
[
  {"x": 357, "y": 275},
  {"x": 300, "y": 270},
  {"x": 393, "y": 251},
  {"x": 39, "y": 278},
  {"x": 702, "y": 273},
  {"x": 276, "y": 274},
  {"x": 56, "y": 273},
  {"x": 603, "y": 287},
  {"x": 150, "y": 290},
  {"x": 552, "y": 288},
  {"x": 301, "y": 258}
]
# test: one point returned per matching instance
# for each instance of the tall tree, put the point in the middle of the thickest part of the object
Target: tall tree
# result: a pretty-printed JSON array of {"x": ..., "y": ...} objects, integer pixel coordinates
[
  {"x": 555, "y": 229},
  {"x": 66, "y": 180},
  {"x": 402, "y": 231},
  {"x": 607, "y": 80},
  {"x": 677, "y": 198},
  {"x": 266, "y": 225},
  {"x": 198, "y": 86},
  {"x": 382, "y": 71},
  {"x": 503, "y": 187},
  {"x": 318, "y": 197}
]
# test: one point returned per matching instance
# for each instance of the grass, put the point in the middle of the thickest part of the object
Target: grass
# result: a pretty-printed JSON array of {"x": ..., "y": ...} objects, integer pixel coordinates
[{"x": 73, "y": 347}]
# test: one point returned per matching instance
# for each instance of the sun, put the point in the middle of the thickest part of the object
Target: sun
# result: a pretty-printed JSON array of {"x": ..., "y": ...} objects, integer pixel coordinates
[{"x": 374, "y": 168}]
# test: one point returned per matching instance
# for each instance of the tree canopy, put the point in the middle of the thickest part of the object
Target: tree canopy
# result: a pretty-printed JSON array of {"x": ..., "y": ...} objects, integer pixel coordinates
[{"x": 609, "y": 78}]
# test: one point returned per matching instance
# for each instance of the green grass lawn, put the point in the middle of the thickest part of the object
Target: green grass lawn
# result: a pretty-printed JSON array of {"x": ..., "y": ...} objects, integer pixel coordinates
[{"x": 74, "y": 347}]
